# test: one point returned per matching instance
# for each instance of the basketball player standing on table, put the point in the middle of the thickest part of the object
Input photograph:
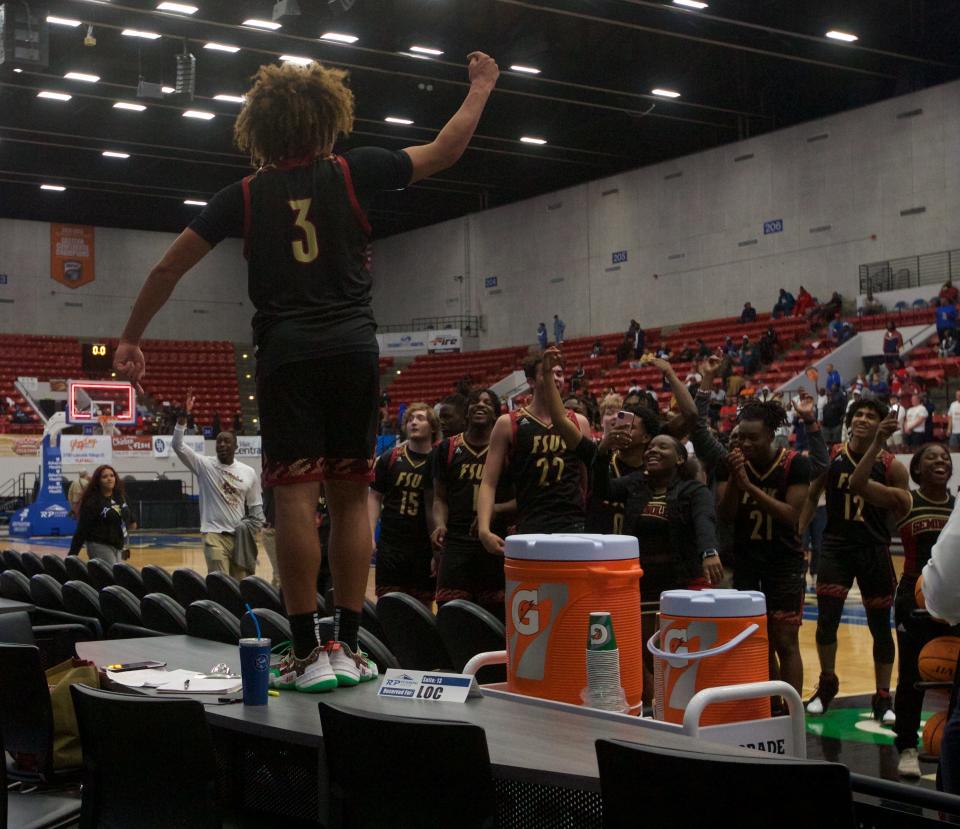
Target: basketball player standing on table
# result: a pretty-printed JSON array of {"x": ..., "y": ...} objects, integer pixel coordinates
[
  {"x": 856, "y": 545},
  {"x": 547, "y": 459},
  {"x": 307, "y": 241}
]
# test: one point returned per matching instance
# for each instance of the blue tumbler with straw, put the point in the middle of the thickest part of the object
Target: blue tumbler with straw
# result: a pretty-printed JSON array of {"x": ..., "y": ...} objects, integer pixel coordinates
[{"x": 255, "y": 665}]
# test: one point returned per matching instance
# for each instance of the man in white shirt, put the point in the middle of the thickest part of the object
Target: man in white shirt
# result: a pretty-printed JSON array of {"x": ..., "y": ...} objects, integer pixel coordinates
[
  {"x": 227, "y": 490},
  {"x": 953, "y": 422},
  {"x": 915, "y": 425},
  {"x": 897, "y": 439}
]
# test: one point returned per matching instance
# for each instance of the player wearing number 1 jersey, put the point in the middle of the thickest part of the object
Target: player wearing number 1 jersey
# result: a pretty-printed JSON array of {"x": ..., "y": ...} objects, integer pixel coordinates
[
  {"x": 302, "y": 217},
  {"x": 856, "y": 545},
  {"x": 398, "y": 497}
]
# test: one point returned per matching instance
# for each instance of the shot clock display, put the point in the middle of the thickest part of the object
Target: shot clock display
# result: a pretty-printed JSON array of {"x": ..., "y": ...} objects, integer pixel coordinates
[{"x": 97, "y": 358}]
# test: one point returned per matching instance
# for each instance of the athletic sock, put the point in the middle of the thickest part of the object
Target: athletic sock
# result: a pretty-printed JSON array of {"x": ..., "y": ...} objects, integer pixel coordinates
[
  {"x": 303, "y": 626},
  {"x": 346, "y": 624}
]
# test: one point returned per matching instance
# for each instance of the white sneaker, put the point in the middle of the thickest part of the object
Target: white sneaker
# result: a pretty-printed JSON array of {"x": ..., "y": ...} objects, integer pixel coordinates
[
  {"x": 815, "y": 707},
  {"x": 909, "y": 764},
  {"x": 888, "y": 719},
  {"x": 350, "y": 668},
  {"x": 312, "y": 675}
]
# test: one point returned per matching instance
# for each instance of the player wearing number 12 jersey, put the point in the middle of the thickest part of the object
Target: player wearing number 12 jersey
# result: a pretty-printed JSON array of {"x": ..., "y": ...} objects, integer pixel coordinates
[
  {"x": 856, "y": 545},
  {"x": 398, "y": 497}
]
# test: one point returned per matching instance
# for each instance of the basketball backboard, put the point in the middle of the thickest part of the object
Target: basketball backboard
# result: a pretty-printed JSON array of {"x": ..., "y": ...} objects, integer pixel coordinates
[{"x": 90, "y": 400}]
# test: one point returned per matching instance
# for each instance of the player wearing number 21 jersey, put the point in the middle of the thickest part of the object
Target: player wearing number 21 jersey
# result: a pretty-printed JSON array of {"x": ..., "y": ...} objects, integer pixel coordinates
[{"x": 399, "y": 498}]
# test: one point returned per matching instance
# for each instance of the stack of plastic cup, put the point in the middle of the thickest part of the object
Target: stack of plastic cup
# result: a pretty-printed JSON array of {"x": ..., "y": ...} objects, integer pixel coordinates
[{"x": 603, "y": 689}]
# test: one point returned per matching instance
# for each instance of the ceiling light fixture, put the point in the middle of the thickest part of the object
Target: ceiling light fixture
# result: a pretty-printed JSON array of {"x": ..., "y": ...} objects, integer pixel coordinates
[
  {"x": 63, "y": 21},
  {"x": 167, "y": 90},
  {"x": 195, "y": 202},
  {"x": 221, "y": 47},
  {"x": 392, "y": 120},
  {"x": 414, "y": 55},
  {"x": 665, "y": 93},
  {"x": 54, "y": 96},
  {"x": 56, "y": 188},
  {"x": 529, "y": 139},
  {"x": 180, "y": 8},
  {"x": 130, "y": 107},
  {"x": 140, "y": 34},
  {"x": 255, "y": 23},
  {"x": 114, "y": 154},
  {"x": 299, "y": 60},
  {"x": 530, "y": 70},
  {"x": 846, "y": 37},
  {"x": 18, "y": 70},
  {"x": 199, "y": 114},
  {"x": 426, "y": 50},
  {"x": 81, "y": 76},
  {"x": 230, "y": 99},
  {"x": 336, "y": 37},
  {"x": 691, "y": 4}
]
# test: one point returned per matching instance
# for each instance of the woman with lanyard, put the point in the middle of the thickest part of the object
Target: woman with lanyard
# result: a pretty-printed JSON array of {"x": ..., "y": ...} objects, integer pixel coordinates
[
  {"x": 104, "y": 518},
  {"x": 920, "y": 516}
]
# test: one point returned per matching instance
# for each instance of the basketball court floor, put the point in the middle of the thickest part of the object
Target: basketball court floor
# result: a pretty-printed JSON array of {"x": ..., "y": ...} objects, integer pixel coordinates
[{"x": 846, "y": 734}]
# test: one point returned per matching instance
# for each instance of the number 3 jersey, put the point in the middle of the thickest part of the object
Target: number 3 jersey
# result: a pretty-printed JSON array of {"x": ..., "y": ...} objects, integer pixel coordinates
[
  {"x": 401, "y": 476},
  {"x": 851, "y": 521}
]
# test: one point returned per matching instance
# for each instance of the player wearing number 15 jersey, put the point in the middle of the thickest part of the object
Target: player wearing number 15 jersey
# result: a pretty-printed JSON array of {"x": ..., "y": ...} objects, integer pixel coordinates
[
  {"x": 398, "y": 497},
  {"x": 856, "y": 545}
]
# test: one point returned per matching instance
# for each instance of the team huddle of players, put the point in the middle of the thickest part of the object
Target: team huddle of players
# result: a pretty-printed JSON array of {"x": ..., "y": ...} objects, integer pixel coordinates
[{"x": 446, "y": 505}]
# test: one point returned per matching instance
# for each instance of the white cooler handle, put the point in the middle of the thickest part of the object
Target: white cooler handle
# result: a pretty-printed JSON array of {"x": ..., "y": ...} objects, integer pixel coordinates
[{"x": 743, "y": 634}]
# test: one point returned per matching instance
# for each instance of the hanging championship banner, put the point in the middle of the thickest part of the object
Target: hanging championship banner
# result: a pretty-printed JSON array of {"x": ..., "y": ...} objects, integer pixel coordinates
[{"x": 72, "y": 254}]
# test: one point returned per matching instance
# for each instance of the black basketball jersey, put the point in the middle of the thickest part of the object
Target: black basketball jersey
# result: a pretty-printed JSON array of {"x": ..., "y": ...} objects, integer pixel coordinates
[
  {"x": 920, "y": 530},
  {"x": 307, "y": 242},
  {"x": 755, "y": 531},
  {"x": 459, "y": 466},
  {"x": 551, "y": 480},
  {"x": 400, "y": 475},
  {"x": 607, "y": 516},
  {"x": 851, "y": 521}
]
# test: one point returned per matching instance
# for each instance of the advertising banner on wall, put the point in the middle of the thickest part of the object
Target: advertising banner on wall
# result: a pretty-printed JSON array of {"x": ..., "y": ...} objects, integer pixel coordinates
[
  {"x": 132, "y": 444},
  {"x": 248, "y": 447},
  {"x": 72, "y": 254},
  {"x": 163, "y": 444},
  {"x": 86, "y": 450},
  {"x": 19, "y": 446},
  {"x": 411, "y": 343}
]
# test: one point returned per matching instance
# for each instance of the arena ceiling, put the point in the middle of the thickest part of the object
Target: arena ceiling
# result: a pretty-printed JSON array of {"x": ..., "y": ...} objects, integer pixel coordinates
[{"x": 741, "y": 68}]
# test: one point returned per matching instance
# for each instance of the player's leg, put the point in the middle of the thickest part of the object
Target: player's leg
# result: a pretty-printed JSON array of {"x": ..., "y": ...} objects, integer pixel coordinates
[
  {"x": 877, "y": 582},
  {"x": 834, "y": 579},
  {"x": 912, "y": 635},
  {"x": 269, "y": 538},
  {"x": 784, "y": 587},
  {"x": 214, "y": 553}
]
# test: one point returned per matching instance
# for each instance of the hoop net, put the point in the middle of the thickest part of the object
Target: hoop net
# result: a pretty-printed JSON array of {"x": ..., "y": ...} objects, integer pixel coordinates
[{"x": 108, "y": 424}]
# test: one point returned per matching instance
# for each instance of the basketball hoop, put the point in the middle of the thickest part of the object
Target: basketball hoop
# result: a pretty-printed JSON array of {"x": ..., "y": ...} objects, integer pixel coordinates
[{"x": 107, "y": 424}]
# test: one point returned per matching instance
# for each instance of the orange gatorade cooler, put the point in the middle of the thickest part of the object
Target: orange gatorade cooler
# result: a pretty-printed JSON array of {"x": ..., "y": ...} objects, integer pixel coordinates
[
  {"x": 709, "y": 638},
  {"x": 553, "y": 584}
]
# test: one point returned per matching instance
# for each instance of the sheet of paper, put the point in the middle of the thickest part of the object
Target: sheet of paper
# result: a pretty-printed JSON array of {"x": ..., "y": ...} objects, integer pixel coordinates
[
  {"x": 201, "y": 686},
  {"x": 150, "y": 677}
]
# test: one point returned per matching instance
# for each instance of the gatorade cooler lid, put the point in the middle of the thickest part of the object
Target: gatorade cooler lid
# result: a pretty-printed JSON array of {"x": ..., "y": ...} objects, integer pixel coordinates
[
  {"x": 712, "y": 604},
  {"x": 571, "y": 547}
]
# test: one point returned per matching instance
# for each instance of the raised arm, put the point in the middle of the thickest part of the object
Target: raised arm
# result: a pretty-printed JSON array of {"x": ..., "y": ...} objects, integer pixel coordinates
[
  {"x": 572, "y": 433},
  {"x": 188, "y": 457},
  {"x": 809, "y": 508},
  {"x": 445, "y": 150},
  {"x": 487, "y": 496},
  {"x": 806, "y": 408},
  {"x": 685, "y": 404},
  {"x": 895, "y": 498}
]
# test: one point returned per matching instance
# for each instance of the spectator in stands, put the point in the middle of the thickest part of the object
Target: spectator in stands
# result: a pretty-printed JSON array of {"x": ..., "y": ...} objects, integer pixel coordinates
[
  {"x": 75, "y": 493},
  {"x": 804, "y": 302},
  {"x": 833, "y": 378},
  {"x": 687, "y": 353},
  {"x": 577, "y": 379},
  {"x": 953, "y": 422},
  {"x": 625, "y": 349},
  {"x": 947, "y": 347},
  {"x": 892, "y": 342},
  {"x": 597, "y": 350},
  {"x": 871, "y": 305},
  {"x": 748, "y": 314},
  {"x": 104, "y": 518},
  {"x": 652, "y": 400},
  {"x": 840, "y": 330},
  {"x": 915, "y": 425},
  {"x": 718, "y": 399},
  {"x": 637, "y": 337},
  {"x": 704, "y": 350},
  {"x": 729, "y": 347},
  {"x": 664, "y": 351},
  {"x": 18, "y": 415},
  {"x": 559, "y": 326},
  {"x": 822, "y": 400},
  {"x": 542, "y": 336},
  {"x": 735, "y": 382},
  {"x": 928, "y": 424},
  {"x": 635, "y": 387},
  {"x": 946, "y": 315},
  {"x": 949, "y": 292},
  {"x": 877, "y": 385},
  {"x": 833, "y": 413},
  {"x": 784, "y": 304},
  {"x": 767, "y": 346},
  {"x": 896, "y": 439}
]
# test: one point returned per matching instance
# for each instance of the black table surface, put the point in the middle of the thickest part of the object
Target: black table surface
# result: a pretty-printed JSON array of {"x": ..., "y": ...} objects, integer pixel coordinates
[
  {"x": 11, "y": 606},
  {"x": 525, "y": 742}
]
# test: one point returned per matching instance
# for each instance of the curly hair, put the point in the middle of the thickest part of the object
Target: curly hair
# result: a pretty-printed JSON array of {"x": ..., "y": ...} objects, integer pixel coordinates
[
  {"x": 769, "y": 412},
  {"x": 292, "y": 111},
  {"x": 881, "y": 409}
]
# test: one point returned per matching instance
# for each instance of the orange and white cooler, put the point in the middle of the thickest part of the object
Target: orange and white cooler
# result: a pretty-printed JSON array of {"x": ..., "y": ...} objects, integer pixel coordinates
[
  {"x": 709, "y": 638},
  {"x": 553, "y": 583}
]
